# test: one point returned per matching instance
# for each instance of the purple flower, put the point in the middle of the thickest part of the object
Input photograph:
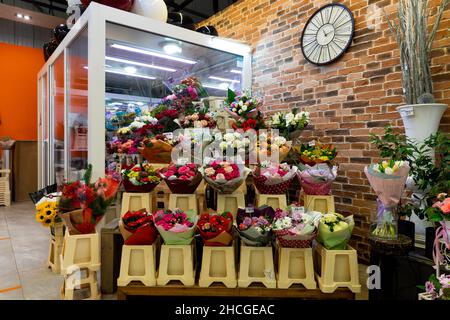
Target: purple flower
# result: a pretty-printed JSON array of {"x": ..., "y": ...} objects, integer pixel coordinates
[{"x": 429, "y": 287}]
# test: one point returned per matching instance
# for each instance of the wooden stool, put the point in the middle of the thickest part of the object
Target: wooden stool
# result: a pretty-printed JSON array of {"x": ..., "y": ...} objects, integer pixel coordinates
[
  {"x": 76, "y": 279},
  {"x": 80, "y": 251},
  {"x": 295, "y": 266},
  {"x": 184, "y": 202},
  {"x": 201, "y": 196},
  {"x": 336, "y": 268},
  {"x": 176, "y": 263},
  {"x": 256, "y": 265},
  {"x": 135, "y": 201},
  {"x": 272, "y": 200},
  {"x": 324, "y": 204},
  {"x": 218, "y": 265},
  {"x": 161, "y": 196},
  {"x": 230, "y": 202},
  {"x": 138, "y": 263},
  {"x": 55, "y": 248},
  {"x": 5, "y": 192}
]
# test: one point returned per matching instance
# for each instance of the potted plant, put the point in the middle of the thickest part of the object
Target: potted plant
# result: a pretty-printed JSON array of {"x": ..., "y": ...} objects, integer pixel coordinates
[{"x": 421, "y": 115}]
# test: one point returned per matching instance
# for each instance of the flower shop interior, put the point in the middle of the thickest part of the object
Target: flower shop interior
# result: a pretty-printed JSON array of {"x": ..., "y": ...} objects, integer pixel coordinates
[{"x": 261, "y": 149}]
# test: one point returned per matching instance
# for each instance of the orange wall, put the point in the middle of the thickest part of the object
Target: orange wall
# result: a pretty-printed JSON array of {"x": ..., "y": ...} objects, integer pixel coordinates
[{"x": 18, "y": 91}]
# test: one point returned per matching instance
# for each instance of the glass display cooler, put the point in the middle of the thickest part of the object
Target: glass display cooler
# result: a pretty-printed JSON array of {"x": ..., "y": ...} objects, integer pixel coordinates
[{"x": 113, "y": 63}]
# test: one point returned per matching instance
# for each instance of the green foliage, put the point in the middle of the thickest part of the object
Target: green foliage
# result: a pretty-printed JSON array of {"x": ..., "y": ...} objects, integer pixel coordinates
[
  {"x": 431, "y": 177},
  {"x": 230, "y": 96},
  {"x": 88, "y": 174},
  {"x": 158, "y": 109}
]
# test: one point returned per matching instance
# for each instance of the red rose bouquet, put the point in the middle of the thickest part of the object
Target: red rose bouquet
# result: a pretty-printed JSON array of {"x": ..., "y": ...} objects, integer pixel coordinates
[
  {"x": 137, "y": 228},
  {"x": 273, "y": 178},
  {"x": 224, "y": 176},
  {"x": 182, "y": 179},
  {"x": 83, "y": 204},
  {"x": 215, "y": 229}
]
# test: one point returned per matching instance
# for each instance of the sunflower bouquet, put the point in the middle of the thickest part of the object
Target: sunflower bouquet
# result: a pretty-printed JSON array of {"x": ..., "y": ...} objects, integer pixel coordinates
[{"x": 47, "y": 210}]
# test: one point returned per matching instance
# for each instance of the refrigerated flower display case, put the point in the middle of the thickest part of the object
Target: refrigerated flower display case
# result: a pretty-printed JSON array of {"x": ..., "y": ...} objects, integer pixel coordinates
[{"x": 112, "y": 67}]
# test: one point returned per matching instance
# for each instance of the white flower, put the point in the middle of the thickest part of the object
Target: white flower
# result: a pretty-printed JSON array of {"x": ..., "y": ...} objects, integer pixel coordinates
[
  {"x": 136, "y": 125},
  {"x": 276, "y": 119},
  {"x": 279, "y": 141},
  {"x": 229, "y": 137},
  {"x": 388, "y": 171},
  {"x": 223, "y": 145},
  {"x": 147, "y": 119},
  {"x": 241, "y": 103},
  {"x": 376, "y": 168},
  {"x": 289, "y": 117},
  {"x": 240, "y": 111},
  {"x": 237, "y": 135},
  {"x": 244, "y": 108}
]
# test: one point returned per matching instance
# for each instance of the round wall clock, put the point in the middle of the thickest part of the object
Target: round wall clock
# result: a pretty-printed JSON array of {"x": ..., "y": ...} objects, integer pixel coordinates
[{"x": 328, "y": 34}]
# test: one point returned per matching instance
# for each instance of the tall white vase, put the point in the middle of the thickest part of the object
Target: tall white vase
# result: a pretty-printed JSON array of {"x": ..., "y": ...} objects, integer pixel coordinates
[
  {"x": 155, "y": 9},
  {"x": 421, "y": 121}
]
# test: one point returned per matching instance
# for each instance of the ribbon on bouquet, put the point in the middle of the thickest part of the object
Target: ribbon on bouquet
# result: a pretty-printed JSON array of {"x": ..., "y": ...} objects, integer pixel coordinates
[
  {"x": 381, "y": 210},
  {"x": 441, "y": 233}
]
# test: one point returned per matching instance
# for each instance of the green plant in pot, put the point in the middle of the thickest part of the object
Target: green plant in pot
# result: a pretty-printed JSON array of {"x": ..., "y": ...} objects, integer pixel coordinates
[{"x": 411, "y": 28}]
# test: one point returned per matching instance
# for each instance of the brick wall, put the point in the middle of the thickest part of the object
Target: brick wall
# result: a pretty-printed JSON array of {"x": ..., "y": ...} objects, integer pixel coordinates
[{"x": 348, "y": 99}]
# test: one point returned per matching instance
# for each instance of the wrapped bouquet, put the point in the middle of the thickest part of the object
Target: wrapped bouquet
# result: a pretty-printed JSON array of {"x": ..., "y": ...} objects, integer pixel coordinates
[
  {"x": 255, "y": 226},
  {"x": 273, "y": 178},
  {"x": 140, "y": 178},
  {"x": 224, "y": 176},
  {"x": 267, "y": 143},
  {"x": 290, "y": 124},
  {"x": 47, "y": 209},
  {"x": 295, "y": 228},
  {"x": 242, "y": 105},
  {"x": 335, "y": 230},
  {"x": 83, "y": 204},
  {"x": 388, "y": 180},
  {"x": 315, "y": 153},
  {"x": 176, "y": 227},
  {"x": 137, "y": 228},
  {"x": 437, "y": 287},
  {"x": 215, "y": 229},
  {"x": 182, "y": 178},
  {"x": 157, "y": 149},
  {"x": 198, "y": 120}
]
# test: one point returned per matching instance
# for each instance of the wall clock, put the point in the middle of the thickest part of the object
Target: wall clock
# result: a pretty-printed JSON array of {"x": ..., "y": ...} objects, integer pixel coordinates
[{"x": 327, "y": 34}]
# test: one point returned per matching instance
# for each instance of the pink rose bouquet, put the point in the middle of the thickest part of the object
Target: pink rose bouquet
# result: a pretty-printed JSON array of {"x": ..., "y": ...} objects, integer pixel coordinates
[
  {"x": 273, "y": 178},
  {"x": 182, "y": 178},
  {"x": 224, "y": 176},
  {"x": 176, "y": 227}
]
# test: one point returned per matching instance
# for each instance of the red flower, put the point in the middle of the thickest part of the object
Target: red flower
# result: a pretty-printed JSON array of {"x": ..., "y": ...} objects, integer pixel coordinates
[{"x": 249, "y": 124}]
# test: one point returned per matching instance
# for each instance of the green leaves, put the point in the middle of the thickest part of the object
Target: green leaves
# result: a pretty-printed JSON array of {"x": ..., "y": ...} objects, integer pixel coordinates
[
  {"x": 230, "y": 96},
  {"x": 88, "y": 174}
]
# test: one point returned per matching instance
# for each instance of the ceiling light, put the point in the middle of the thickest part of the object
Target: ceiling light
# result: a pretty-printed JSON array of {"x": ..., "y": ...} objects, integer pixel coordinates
[
  {"x": 224, "y": 85},
  {"x": 19, "y": 15},
  {"x": 236, "y": 71},
  {"x": 130, "y": 69},
  {"x": 152, "y": 53},
  {"x": 222, "y": 79},
  {"x": 130, "y": 74},
  {"x": 140, "y": 64},
  {"x": 172, "y": 48},
  {"x": 27, "y": 17},
  {"x": 215, "y": 87}
]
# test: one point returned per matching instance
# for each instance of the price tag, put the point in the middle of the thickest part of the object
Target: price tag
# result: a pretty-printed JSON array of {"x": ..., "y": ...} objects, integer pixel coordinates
[
  {"x": 168, "y": 135},
  {"x": 312, "y": 143},
  {"x": 298, "y": 210},
  {"x": 249, "y": 209}
]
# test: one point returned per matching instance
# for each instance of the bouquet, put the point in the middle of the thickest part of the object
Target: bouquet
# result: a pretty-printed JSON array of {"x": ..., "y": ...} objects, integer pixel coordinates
[
  {"x": 198, "y": 120},
  {"x": 182, "y": 179},
  {"x": 137, "y": 228},
  {"x": 140, "y": 178},
  {"x": 176, "y": 227},
  {"x": 183, "y": 95},
  {"x": 269, "y": 143},
  {"x": 290, "y": 124},
  {"x": 273, "y": 178},
  {"x": 224, "y": 176},
  {"x": 295, "y": 228},
  {"x": 242, "y": 105},
  {"x": 437, "y": 288},
  {"x": 388, "y": 179},
  {"x": 317, "y": 179},
  {"x": 83, "y": 204},
  {"x": 215, "y": 229},
  {"x": 47, "y": 210},
  {"x": 314, "y": 153},
  {"x": 335, "y": 230},
  {"x": 254, "y": 226},
  {"x": 157, "y": 149},
  {"x": 440, "y": 210}
]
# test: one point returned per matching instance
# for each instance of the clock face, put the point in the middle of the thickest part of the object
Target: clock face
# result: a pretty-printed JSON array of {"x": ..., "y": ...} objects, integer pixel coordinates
[{"x": 328, "y": 34}]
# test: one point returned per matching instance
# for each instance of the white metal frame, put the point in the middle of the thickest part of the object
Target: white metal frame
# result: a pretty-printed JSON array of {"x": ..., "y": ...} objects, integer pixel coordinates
[{"x": 95, "y": 18}]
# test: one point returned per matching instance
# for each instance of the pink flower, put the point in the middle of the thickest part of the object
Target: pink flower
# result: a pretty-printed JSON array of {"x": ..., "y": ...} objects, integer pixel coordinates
[
  {"x": 210, "y": 171},
  {"x": 220, "y": 176},
  {"x": 184, "y": 177},
  {"x": 183, "y": 170},
  {"x": 193, "y": 93}
]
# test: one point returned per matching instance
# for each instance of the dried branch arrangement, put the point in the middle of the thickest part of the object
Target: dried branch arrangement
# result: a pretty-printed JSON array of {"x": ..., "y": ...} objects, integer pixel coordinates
[{"x": 415, "y": 42}]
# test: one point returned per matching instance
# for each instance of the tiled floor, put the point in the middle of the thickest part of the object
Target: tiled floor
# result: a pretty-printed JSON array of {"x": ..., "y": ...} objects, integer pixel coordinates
[{"x": 23, "y": 257}]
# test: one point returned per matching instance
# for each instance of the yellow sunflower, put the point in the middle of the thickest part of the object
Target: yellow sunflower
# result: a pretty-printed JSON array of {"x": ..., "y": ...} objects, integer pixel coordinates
[
  {"x": 48, "y": 222},
  {"x": 40, "y": 217}
]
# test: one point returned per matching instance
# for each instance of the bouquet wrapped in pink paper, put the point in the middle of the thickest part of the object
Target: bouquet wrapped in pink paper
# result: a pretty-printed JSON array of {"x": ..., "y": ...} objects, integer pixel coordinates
[
  {"x": 295, "y": 228},
  {"x": 273, "y": 178},
  {"x": 388, "y": 180},
  {"x": 182, "y": 178},
  {"x": 224, "y": 176},
  {"x": 317, "y": 179},
  {"x": 176, "y": 227}
]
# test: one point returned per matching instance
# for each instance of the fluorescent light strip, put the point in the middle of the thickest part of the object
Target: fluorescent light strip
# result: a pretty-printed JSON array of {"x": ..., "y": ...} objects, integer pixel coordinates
[
  {"x": 131, "y": 74},
  {"x": 236, "y": 71},
  {"x": 152, "y": 53},
  {"x": 214, "y": 87},
  {"x": 223, "y": 79},
  {"x": 152, "y": 66}
]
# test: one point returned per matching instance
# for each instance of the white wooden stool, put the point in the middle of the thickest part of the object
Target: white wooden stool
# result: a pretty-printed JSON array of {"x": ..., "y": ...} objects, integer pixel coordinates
[
  {"x": 295, "y": 266},
  {"x": 80, "y": 251},
  {"x": 136, "y": 201},
  {"x": 161, "y": 196},
  {"x": 138, "y": 263},
  {"x": 176, "y": 263},
  {"x": 55, "y": 247},
  {"x": 230, "y": 202},
  {"x": 184, "y": 202},
  {"x": 324, "y": 204},
  {"x": 5, "y": 192},
  {"x": 218, "y": 265},
  {"x": 336, "y": 268},
  {"x": 80, "y": 279},
  {"x": 272, "y": 200},
  {"x": 256, "y": 265}
]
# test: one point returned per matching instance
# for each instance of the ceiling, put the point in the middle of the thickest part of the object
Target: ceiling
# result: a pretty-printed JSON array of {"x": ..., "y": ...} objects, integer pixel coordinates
[{"x": 197, "y": 9}]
